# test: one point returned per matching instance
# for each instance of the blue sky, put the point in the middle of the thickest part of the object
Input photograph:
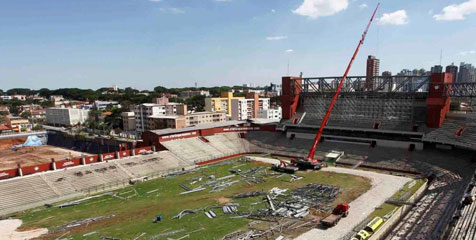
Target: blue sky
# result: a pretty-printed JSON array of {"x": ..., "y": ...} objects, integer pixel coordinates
[{"x": 175, "y": 43}]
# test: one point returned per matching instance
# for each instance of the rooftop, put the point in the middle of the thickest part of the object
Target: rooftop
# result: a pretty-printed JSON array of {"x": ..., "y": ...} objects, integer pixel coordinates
[
  {"x": 164, "y": 116},
  {"x": 199, "y": 127}
]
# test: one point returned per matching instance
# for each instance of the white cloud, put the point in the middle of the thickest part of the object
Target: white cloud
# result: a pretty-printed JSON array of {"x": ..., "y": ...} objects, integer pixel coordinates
[
  {"x": 464, "y": 53},
  {"x": 273, "y": 10},
  {"x": 276, "y": 38},
  {"x": 172, "y": 10},
  {"x": 321, "y": 8},
  {"x": 289, "y": 51},
  {"x": 395, "y": 18},
  {"x": 155, "y": 0},
  {"x": 363, "y": 5},
  {"x": 457, "y": 11}
]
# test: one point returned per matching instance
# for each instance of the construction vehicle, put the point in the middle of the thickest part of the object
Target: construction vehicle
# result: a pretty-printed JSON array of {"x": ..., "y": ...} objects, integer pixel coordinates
[
  {"x": 372, "y": 226},
  {"x": 369, "y": 229},
  {"x": 342, "y": 210},
  {"x": 310, "y": 162},
  {"x": 284, "y": 167},
  {"x": 361, "y": 235}
]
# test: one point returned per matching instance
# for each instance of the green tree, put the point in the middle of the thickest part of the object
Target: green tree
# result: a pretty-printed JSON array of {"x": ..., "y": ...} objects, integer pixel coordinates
[
  {"x": 196, "y": 103},
  {"x": 26, "y": 114},
  {"x": 114, "y": 120},
  {"x": 160, "y": 89},
  {"x": 21, "y": 91},
  {"x": 44, "y": 92}
]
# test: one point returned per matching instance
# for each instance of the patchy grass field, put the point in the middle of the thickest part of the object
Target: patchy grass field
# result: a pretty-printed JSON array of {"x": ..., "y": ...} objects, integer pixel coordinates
[{"x": 134, "y": 216}]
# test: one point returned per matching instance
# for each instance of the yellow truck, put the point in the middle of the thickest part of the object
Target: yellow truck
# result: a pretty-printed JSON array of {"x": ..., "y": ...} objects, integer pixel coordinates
[{"x": 369, "y": 229}]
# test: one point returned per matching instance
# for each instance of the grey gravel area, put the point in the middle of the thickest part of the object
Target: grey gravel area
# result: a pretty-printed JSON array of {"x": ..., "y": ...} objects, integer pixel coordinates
[{"x": 383, "y": 187}]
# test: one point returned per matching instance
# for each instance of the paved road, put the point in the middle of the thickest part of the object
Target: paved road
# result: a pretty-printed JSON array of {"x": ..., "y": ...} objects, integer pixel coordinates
[{"x": 383, "y": 187}]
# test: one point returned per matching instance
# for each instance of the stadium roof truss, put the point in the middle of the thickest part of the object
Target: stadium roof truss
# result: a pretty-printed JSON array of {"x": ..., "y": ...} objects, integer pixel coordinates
[{"x": 383, "y": 84}]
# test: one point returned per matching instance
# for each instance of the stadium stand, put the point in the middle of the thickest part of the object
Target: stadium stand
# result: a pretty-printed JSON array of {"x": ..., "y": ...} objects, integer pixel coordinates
[
  {"x": 464, "y": 226},
  {"x": 25, "y": 190},
  {"x": 47, "y": 187},
  {"x": 460, "y": 133},
  {"x": 151, "y": 163},
  {"x": 197, "y": 149},
  {"x": 85, "y": 177}
]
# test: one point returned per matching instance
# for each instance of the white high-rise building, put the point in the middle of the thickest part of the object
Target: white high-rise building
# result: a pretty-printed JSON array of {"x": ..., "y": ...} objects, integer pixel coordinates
[
  {"x": 271, "y": 113},
  {"x": 66, "y": 116},
  {"x": 243, "y": 109},
  {"x": 142, "y": 111}
]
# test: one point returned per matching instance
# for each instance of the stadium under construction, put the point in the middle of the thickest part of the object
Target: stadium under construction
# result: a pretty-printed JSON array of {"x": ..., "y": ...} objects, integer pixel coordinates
[{"x": 403, "y": 129}]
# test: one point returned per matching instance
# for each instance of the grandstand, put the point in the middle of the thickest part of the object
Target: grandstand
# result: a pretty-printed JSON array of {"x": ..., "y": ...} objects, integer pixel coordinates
[
  {"x": 464, "y": 226},
  {"x": 461, "y": 133},
  {"x": 24, "y": 191},
  {"x": 199, "y": 149},
  {"x": 47, "y": 187}
]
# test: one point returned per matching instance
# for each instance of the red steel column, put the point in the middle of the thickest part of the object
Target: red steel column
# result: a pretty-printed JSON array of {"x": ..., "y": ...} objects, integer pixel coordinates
[
  {"x": 438, "y": 103},
  {"x": 290, "y": 96}
]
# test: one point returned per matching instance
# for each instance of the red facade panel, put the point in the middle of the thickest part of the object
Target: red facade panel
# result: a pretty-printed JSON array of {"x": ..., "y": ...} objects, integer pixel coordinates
[
  {"x": 35, "y": 169},
  {"x": 68, "y": 163},
  {"x": 125, "y": 153},
  {"x": 4, "y": 174},
  {"x": 269, "y": 128},
  {"x": 240, "y": 129},
  {"x": 91, "y": 159},
  {"x": 178, "y": 136},
  {"x": 108, "y": 156}
]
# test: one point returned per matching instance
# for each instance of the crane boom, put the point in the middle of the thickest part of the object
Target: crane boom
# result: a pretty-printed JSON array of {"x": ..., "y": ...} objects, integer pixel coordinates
[{"x": 310, "y": 156}]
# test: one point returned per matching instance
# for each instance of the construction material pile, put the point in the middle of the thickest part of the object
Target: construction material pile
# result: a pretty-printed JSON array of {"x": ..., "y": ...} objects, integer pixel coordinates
[{"x": 298, "y": 202}]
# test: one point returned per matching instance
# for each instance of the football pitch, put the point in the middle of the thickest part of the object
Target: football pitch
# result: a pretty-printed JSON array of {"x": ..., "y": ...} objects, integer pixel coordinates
[{"x": 129, "y": 213}]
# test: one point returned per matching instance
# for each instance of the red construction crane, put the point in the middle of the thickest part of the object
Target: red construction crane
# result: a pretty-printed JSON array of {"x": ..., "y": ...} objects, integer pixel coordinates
[{"x": 310, "y": 162}]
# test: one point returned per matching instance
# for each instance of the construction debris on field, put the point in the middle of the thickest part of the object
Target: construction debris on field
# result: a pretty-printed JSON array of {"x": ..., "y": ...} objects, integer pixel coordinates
[
  {"x": 186, "y": 212},
  {"x": 80, "y": 223},
  {"x": 249, "y": 194},
  {"x": 298, "y": 202}
]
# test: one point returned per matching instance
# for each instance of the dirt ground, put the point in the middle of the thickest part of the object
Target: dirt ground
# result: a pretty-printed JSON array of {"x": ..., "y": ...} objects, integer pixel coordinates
[
  {"x": 29, "y": 156},
  {"x": 8, "y": 230},
  {"x": 6, "y": 144}
]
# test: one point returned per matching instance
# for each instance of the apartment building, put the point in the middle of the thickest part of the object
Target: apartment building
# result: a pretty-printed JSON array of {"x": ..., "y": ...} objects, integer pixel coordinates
[
  {"x": 102, "y": 105},
  {"x": 128, "y": 122},
  {"x": 204, "y": 118},
  {"x": 181, "y": 121},
  {"x": 270, "y": 113},
  {"x": 220, "y": 104},
  {"x": 18, "y": 124},
  {"x": 189, "y": 94},
  {"x": 66, "y": 116},
  {"x": 162, "y": 122},
  {"x": 243, "y": 109},
  {"x": 145, "y": 110}
]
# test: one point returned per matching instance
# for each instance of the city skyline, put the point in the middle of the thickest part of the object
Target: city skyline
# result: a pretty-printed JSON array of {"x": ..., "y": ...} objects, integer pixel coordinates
[{"x": 143, "y": 43}]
